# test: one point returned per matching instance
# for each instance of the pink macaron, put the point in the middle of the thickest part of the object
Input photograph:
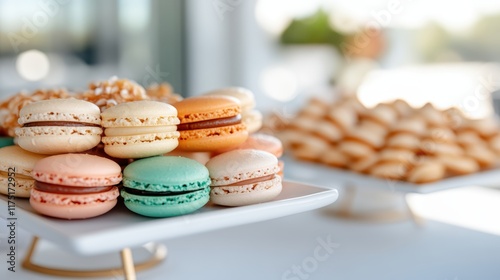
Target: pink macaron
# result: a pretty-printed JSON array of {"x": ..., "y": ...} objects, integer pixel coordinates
[
  {"x": 263, "y": 142},
  {"x": 75, "y": 186},
  {"x": 243, "y": 177}
]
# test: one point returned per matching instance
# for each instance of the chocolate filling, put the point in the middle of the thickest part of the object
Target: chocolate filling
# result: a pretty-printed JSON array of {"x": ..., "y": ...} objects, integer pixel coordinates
[
  {"x": 150, "y": 193},
  {"x": 59, "y": 123},
  {"x": 253, "y": 181},
  {"x": 210, "y": 123},
  {"x": 53, "y": 188}
]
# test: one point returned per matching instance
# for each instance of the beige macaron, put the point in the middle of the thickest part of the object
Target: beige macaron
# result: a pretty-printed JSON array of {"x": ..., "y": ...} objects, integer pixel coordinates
[
  {"x": 427, "y": 171},
  {"x": 362, "y": 165},
  {"x": 458, "y": 165},
  {"x": 334, "y": 157},
  {"x": 403, "y": 109},
  {"x": 389, "y": 170},
  {"x": 405, "y": 141},
  {"x": 344, "y": 117},
  {"x": 328, "y": 131},
  {"x": 413, "y": 125},
  {"x": 16, "y": 165},
  {"x": 483, "y": 155}
]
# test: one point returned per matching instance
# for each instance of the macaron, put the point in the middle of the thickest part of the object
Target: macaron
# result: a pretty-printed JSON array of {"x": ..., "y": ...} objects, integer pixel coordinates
[
  {"x": 75, "y": 186},
  {"x": 210, "y": 123},
  {"x": 265, "y": 142},
  {"x": 16, "y": 165},
  {"x": 165, "y": 186},
  {"x": 59, "y": 126},
  {"x": 250, "y": 117},
  {"x": 243, "y": 177},
  {"x": 140, "y": 129}
]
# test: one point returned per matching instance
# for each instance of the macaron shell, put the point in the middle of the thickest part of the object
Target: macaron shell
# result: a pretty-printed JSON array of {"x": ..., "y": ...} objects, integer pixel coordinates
[
  {"x": 58, "y": 140},
  {"x": 201, "y": 108},
  {"x": 140, "y": 146},
  {"x": 246, "y": 194},
  {"x": 140, "y": 113},
  {"x": 20, "y": 160},
  {"x": 78, "y": 170},
  {"x": 166, "y": 206},
  {"x": 252, "y": 120},
  {"x": 213, "y": 139},
  {"x": 166, "y": 173},
  {"x": 73, "y": 212},
  {"x": 73, "y": 206},
  {"x": 74, "y": 110}
]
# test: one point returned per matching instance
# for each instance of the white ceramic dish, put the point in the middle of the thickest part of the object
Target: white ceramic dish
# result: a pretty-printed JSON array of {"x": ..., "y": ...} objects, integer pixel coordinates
[
  {"x": 121, "y": 228},
  {"x": 316, "y": 173}
]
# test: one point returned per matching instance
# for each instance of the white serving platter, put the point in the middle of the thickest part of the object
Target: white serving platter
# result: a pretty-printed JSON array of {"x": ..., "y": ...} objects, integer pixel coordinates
[
  {"x": 319, "y": 174},
  {"x": 121, "y": 228}
]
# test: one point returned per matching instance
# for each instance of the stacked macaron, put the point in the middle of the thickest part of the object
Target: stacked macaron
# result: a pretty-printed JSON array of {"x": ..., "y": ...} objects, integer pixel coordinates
[
  {"x": 59, "y": 126},
  {"x": 251, "y": 117},
  {"x": 75, "y": 186},
  {"x": 140, "y": 129},
  {"x": 210, "y": 123},
  {"x": 243, "y": 177},
  {"x": 16, "y": 166},
  {"x": 165, "y": 186}
]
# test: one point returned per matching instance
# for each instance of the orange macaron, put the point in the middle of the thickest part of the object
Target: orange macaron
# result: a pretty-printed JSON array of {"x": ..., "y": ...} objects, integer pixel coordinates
[{"x": 210, "y": 123}]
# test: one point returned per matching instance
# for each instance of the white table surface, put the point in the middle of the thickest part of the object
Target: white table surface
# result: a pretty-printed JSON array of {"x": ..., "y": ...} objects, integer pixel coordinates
[
  {"x": 267, "y": 250},
  {"x": 273, "y": 249}
]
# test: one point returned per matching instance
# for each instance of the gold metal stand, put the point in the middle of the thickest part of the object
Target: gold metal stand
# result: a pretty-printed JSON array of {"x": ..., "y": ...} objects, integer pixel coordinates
[
  {"x": 345, "y": 211},
  {"x": 127, "y": 270}
]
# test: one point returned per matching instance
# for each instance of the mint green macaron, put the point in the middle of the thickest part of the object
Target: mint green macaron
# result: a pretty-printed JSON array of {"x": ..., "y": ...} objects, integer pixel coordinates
[{"x": 165, "y": 186}]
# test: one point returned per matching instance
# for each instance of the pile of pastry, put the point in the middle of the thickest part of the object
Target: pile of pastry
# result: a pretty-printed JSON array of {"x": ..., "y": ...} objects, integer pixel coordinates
[
  {"x": 74, "y": 154},
  {"x": 392, "y": 140}
]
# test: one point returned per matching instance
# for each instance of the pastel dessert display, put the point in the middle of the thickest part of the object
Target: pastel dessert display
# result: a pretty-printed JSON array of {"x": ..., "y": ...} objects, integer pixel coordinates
[
  {"x": 140, "y": 129},
  {"x": 75, "y": 186},
  {"x": 16, "y": 166},
  {"x": 251, "y": 117},
  {"x": 210, "y": 123},
  {"x": 165, "y": 186},
  {"x": 243, "y": 177},
  {"x": 392, "y": 140},
  {"x": 59, "y": 126}
]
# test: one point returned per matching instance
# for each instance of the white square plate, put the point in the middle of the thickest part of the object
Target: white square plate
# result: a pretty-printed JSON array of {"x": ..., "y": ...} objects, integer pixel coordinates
[{"x": 121, "y": 228}]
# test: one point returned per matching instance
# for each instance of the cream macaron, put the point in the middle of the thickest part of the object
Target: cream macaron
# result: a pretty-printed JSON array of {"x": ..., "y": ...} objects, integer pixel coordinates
[
  {"x": 140, "y": 129},
  {"x": 16, "y": 165},
  {"x": 59, "y": 126},
  {"x": 243, "y": 177},
  {"x": 249, "y": 116}
]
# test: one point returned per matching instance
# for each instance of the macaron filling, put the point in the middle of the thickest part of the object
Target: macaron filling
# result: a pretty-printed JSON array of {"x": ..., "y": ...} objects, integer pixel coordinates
[
  {"x": 156, "y": 193},
  {"x": 234, "y": 120},
  {"x": 59, "y": 123},
  {"x": 253, "y": 181},
  {"x": 60, "y": 189}
]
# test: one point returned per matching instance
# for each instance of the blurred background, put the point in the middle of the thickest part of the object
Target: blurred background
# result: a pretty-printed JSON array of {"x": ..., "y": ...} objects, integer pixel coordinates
[{"x": 285, "y": 51}]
